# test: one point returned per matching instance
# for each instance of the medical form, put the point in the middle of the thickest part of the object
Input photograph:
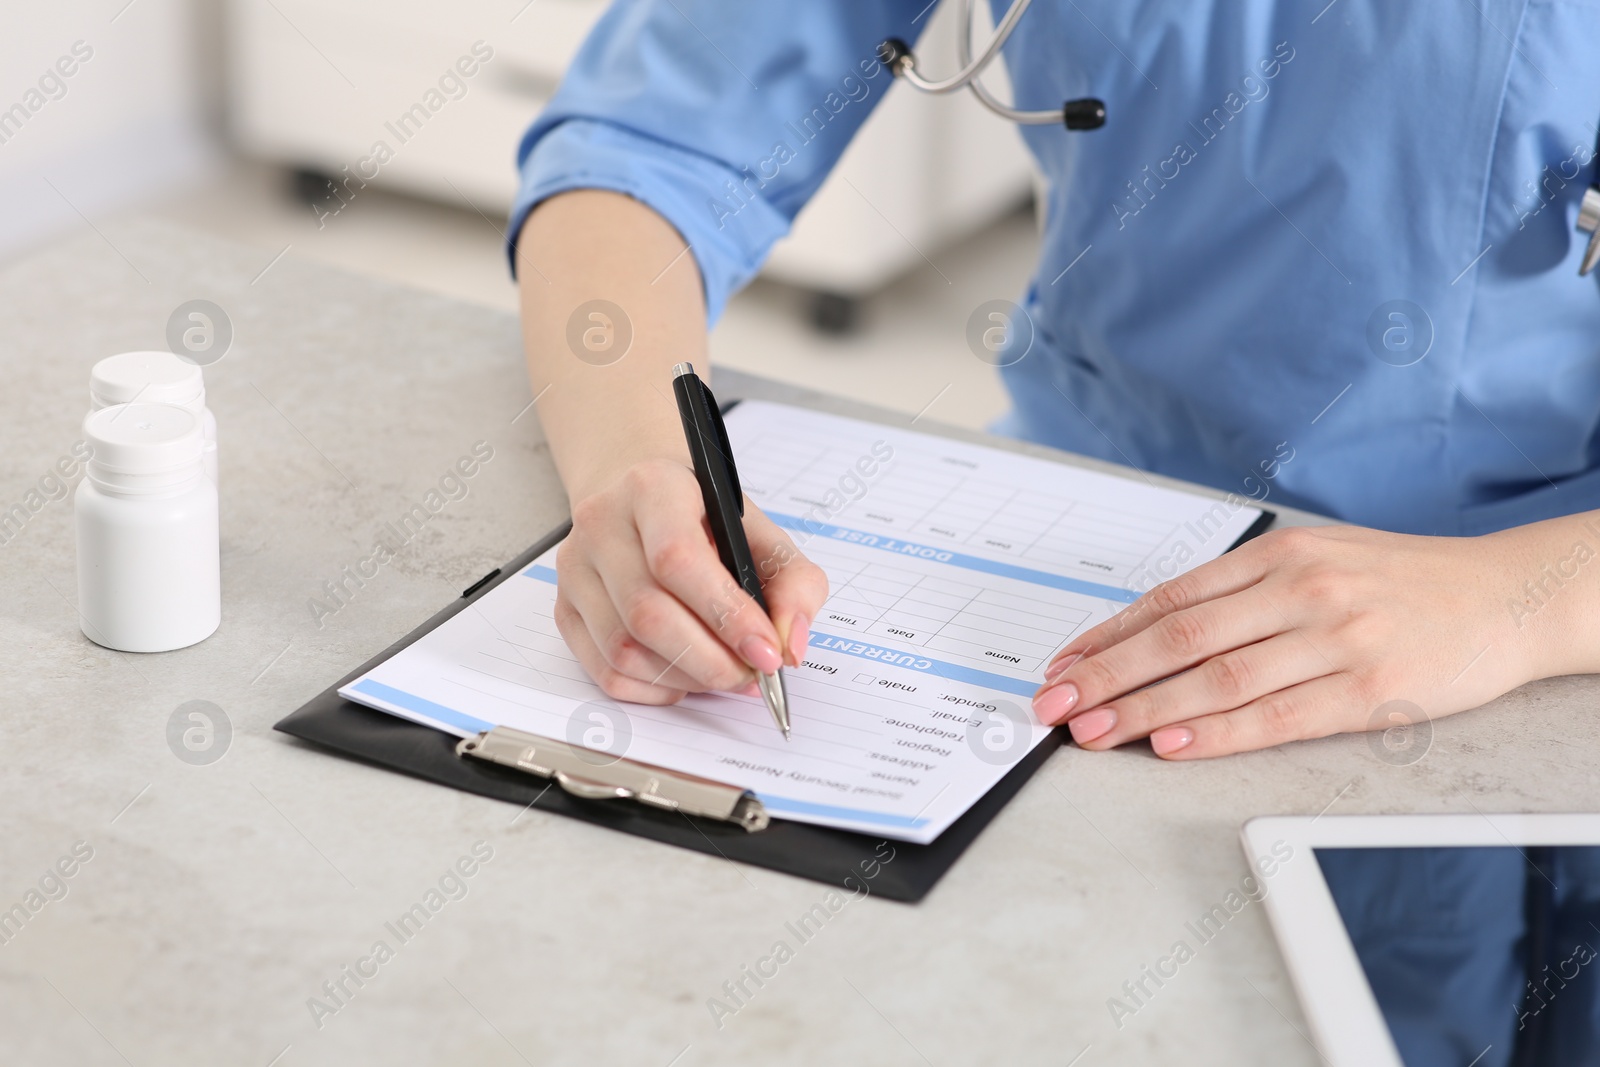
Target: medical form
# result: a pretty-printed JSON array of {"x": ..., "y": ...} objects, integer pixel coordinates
[{"x": 955, "y": 572}]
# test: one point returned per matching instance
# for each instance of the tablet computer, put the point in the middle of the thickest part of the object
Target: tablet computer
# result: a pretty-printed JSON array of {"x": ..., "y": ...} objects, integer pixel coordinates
[{"x": 1438, "y": 940}]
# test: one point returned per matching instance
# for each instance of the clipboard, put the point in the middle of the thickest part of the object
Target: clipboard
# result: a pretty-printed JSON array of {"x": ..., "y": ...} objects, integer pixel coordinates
[{"x": 838, "y": 858}]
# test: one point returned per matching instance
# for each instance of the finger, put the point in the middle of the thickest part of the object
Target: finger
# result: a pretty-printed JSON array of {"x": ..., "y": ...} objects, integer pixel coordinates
[
  {"x": 654, "y": 618},
  {"x": 795, "y": 588},
  {"x": 1229, "y": 574},
  {"x": 584, "y": 609},
  {"x": 1174, "y": 643},
  {"x": 1221, "y": 683},
  {"x": 680, "y": 559},
  {"x": 1317, "y": 708},
  {"x": 611, "y": 681},
  {"x": 629, "y": 653}
]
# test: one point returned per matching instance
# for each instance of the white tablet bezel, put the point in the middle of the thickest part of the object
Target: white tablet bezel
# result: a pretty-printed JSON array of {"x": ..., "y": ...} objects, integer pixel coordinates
[{"x": 1334, "y": 995}]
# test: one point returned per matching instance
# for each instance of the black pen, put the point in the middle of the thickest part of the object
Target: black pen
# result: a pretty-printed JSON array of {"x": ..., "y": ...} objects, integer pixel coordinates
[{"x": 724, "y": 500}]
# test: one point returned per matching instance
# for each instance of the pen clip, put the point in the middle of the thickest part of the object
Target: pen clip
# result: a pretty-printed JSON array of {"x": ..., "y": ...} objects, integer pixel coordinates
[{"x": 722, "y": 444}]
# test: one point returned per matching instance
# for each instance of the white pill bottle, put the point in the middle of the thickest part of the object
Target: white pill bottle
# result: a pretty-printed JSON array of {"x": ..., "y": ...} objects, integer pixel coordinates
[
  {"x": 155, "y": 378},
  {"x": 149, "y": 574}
]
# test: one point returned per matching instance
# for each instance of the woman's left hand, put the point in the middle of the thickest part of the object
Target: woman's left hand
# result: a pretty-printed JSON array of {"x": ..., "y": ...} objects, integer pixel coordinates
[{"x": 1301, "y": 633}]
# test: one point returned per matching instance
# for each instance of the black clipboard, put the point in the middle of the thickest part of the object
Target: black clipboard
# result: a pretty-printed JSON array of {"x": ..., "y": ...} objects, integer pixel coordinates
[{"x": 897, "y": 870}]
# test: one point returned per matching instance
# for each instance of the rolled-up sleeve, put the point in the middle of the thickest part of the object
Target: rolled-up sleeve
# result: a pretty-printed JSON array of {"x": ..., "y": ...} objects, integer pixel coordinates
[{"x": 723, "y": 116}]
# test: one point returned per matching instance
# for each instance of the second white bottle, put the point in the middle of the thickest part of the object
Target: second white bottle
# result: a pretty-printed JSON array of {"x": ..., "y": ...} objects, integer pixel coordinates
[{"x": 156, "y": 378}]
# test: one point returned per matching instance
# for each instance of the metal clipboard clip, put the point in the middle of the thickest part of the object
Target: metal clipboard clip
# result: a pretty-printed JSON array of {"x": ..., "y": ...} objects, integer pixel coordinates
[{"x": 578, "y": 771}]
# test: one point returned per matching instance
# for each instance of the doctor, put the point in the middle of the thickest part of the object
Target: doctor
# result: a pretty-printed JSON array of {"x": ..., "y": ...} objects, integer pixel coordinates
[{"x": 1326, "y": 251}]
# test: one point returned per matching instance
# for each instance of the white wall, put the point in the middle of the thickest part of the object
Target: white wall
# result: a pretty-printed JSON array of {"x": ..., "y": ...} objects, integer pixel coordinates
[{"x": 129, "y": 123}]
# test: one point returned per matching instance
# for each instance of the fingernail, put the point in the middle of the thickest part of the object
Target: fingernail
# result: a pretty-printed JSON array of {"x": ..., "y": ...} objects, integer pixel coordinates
[
  {"x": 760, "y": 654},
  {"x": 1171, "y": 738},
  {"x": 1054, "y": 703},
  {"x": 799, "y": 635},
  {"x": 1092, "y": 724},
  {"x": 1067, "y": 660}
]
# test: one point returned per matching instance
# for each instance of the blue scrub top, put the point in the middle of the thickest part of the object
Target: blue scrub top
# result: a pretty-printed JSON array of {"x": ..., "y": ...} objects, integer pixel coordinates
[{"x": 1342, "y": 235}]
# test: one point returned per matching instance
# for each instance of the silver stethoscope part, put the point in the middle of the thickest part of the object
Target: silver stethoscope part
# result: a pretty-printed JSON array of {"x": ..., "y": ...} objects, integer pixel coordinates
[
  {"x": 964, "y": 57},
  {"x": 1589, "y": 223},
  {"x": 1085, "y": 114}
]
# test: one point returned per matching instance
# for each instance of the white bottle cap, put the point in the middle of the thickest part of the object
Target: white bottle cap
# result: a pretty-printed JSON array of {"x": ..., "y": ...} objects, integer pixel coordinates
[
  {"x": 147, "y": 377},
  {"x": 144, "y": 447}
]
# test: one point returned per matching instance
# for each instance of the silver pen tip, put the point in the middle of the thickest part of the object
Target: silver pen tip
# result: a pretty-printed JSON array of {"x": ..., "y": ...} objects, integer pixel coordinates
[
  {"x": 680, "y": 369},
  {"x": 776, "y": 696}
]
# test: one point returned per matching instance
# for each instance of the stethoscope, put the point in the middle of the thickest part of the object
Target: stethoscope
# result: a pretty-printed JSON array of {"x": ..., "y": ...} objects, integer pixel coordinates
[
  {"x": 1089, "y": 113},
  {"x": 1085, "y": 114},
  {"x": 1589, "y": 218}
]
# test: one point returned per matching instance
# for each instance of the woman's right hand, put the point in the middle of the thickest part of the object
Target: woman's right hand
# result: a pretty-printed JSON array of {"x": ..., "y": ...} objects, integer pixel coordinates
[{"x": 643, "y": 599}]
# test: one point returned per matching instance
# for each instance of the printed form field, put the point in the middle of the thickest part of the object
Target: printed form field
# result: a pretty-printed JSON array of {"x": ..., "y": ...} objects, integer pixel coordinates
[
  {"x": 960, "y": 621},
  {"x": 909, "y": 496}
]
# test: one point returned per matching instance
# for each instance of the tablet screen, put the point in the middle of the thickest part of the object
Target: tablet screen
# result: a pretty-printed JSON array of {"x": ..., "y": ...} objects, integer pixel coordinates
[{"x": 1478, "y": 957}]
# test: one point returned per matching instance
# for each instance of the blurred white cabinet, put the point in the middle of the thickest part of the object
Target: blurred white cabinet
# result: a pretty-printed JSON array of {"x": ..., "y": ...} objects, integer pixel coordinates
[{"x": 317, "y": 83}]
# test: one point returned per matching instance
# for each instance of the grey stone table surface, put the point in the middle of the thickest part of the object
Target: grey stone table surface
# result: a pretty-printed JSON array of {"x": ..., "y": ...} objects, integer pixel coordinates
[{"x": 217, "y": 900}]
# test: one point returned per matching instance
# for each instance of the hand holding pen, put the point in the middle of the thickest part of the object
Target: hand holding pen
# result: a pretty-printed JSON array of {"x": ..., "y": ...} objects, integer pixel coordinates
[{"x": 642, "y": 597}]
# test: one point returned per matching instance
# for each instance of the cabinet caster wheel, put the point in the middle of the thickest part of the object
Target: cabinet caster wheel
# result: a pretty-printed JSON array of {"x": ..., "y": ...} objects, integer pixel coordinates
[
  {"x": 310, "y": 186},
  {"x": 834, "y": 314}
]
